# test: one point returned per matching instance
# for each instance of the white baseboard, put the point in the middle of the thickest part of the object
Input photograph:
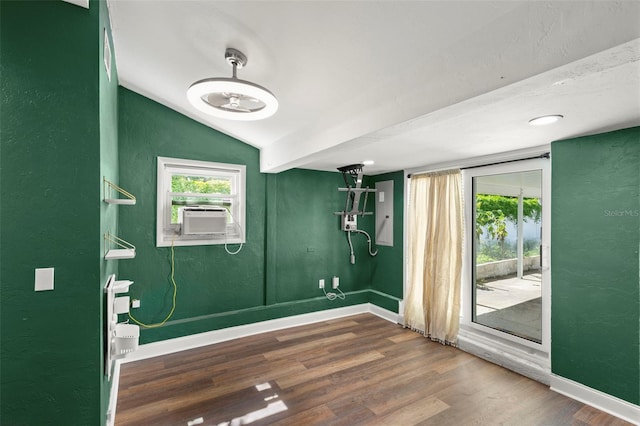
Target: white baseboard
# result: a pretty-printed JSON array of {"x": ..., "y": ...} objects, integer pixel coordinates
[
  {"x": 166, "y": 347},
  {"x": 383, "y": 313},
  {"x": 600, "y": 400},
  {"x": 178, "y": 344}
]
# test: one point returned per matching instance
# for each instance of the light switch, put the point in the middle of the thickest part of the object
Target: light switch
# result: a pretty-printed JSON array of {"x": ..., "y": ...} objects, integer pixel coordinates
[
  {"x": 381, "y": 197},
  {"x": 44, "y": 279}
]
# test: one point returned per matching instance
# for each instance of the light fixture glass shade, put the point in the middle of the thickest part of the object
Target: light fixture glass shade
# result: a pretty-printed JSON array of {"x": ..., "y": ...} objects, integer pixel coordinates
[
  {"x": 232, "y": 98},
  {"x": 544, "y": 120}
]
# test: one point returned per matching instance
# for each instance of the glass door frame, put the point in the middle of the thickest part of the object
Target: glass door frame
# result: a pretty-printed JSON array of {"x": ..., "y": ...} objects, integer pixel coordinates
[{"x": 466, "y": 320}]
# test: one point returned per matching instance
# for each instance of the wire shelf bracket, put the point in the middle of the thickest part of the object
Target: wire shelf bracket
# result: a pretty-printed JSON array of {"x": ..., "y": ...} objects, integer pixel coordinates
[
  {"x": 111, "y": 191},
  {"x": 124, "y": 249}
]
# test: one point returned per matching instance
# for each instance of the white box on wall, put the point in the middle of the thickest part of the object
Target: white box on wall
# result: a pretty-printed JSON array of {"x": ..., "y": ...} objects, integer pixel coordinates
[
  {"x": 384, "y": 213},
  {"x": 44, "y": 279}
]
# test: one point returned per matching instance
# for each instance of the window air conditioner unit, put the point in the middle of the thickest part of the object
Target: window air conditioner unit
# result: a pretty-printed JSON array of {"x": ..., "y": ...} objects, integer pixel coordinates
[{"x": 199, "y": 220}]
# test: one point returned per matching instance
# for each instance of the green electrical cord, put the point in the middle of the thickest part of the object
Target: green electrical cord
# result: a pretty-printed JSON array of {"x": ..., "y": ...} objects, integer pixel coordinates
[{"x": 173, "y": 308}]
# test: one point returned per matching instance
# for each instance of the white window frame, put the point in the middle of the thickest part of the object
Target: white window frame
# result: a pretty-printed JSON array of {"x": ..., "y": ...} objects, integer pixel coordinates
[{"x": 168, "y": 234}]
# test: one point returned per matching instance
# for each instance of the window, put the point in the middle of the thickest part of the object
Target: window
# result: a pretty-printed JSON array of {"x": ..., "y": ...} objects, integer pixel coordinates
[{"x": 200, "y": 185}]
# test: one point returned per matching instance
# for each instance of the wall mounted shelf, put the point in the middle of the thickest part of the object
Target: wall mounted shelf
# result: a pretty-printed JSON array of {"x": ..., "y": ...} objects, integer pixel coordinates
[
  {"x": 111, "y": 191},
  {"x": 121, "y": 286},
  {"x": 124, "y": 250},
  {"x": 116, "y": 254},
  {"x": 120, "y": 338},
  {"x": 119, "y": 201}
]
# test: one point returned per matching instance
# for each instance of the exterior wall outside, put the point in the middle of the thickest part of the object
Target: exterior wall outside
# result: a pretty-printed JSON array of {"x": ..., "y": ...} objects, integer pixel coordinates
[{"x": 502, "y": 268}]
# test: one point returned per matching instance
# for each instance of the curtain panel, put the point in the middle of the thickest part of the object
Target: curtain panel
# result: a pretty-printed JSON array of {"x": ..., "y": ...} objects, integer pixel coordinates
[{"x": 435, "y": 234}]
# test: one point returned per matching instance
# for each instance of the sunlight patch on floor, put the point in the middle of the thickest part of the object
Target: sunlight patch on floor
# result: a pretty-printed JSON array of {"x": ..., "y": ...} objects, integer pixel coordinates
[{"x": 262, "y": 413}]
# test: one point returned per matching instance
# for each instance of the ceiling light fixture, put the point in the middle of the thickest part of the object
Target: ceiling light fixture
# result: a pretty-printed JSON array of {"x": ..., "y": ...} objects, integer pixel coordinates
[
  {"x": 368, "y": 162},
  {"x": 232, "y": 98},
  {"x": 545, "y": 119}
]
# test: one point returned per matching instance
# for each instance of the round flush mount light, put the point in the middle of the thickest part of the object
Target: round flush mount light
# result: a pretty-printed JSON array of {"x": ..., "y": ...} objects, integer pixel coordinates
[
  {"x": 232, "y": 98},
  {"x": 368, "y": 163},
  {"x": 545, "y": 120}
]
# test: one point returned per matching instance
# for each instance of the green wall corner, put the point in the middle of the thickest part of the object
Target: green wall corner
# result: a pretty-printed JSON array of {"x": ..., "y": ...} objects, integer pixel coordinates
[
  {"x": 595, "y": 312},
  {"x": 108, "y": 116},
  {"x": 388, "y": 266}
]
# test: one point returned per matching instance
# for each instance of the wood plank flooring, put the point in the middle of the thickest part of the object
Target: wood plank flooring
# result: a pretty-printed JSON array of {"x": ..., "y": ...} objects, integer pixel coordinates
[{"x": 359, "y": 370}]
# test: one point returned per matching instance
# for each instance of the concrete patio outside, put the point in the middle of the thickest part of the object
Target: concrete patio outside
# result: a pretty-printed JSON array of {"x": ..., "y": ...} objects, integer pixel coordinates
[{"x": 512, "y": 305}]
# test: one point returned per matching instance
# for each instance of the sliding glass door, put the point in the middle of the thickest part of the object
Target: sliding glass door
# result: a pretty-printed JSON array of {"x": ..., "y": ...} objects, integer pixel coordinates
[{"x": 507, "y": 287}]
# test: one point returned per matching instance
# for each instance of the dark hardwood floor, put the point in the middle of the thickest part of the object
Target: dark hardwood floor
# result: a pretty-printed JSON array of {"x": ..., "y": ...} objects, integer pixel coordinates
[{"x": 357, "y": 370}]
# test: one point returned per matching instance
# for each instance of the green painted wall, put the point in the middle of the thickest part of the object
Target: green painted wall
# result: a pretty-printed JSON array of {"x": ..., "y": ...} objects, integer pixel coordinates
[
  {"x": 209, "y": 281},
  {"x": 50, "y": 214},
  {"x": 293, "y": 237},
  {"x": 308, "y": 244},
  {"x": 388, "y": 265},
  {"x": 108, "y": 108},
  {"x": 595, "y": 275}
]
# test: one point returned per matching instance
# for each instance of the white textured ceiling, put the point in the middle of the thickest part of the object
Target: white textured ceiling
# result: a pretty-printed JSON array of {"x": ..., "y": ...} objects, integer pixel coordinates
[{"x": 404, "y": 83}]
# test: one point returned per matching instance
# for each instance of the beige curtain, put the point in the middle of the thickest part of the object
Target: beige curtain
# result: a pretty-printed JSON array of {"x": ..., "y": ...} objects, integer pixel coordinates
[{"x": 435, "y": 232}]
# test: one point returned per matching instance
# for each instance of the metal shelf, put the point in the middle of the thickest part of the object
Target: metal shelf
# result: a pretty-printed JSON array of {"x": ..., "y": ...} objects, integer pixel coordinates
[
  {"x": 121, "y": 286},
  {"x": 122, "y": 201},
  {"x": 109, "y": 189},
  {"x": 115, "y": 254},
  {"x": 125, "y": 249}
]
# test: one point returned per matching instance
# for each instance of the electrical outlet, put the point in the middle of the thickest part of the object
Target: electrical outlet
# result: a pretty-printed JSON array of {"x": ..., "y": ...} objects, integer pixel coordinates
[
  {"x": 135, "y": 303},
  {"x": 321, "y": 284},
  {"x": 335, "y": 282}
]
